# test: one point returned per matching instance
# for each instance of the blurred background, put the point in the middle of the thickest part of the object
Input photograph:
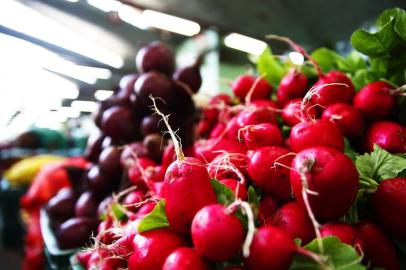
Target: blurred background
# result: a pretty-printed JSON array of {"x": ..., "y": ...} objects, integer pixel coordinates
[{"x": 58, "y": 58}]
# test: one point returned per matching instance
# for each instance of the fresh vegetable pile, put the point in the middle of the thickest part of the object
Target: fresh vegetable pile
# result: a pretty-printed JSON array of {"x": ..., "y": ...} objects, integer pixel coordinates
[{"x": 303, "y": 168}]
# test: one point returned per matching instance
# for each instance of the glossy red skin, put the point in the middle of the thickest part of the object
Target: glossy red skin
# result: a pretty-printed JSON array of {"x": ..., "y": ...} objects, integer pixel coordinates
[
  {"x": 347, "y": 118},
  {"x": 86, "y": 205},
  {"x": 233, "y": 126},
  {"x": 207, "y": 150},
  {"x": 217, "y": 130},
  {"x": 265, "y": 134},
  {"x": 220, "y": 99},
  {"x": 333, "y": 175},
  {"x": 267, "y": 207},
  {"x": 233, "y": 184},
  {"x": 293, "y": 85},
  {"x": 389, "y": 204},
  {"x": 132, "y": 198},
  {"x": 242, "y": 85},
  {"x": 123, "y": 247},
  {"x": 346, "y": 233},
  {"x": 271, "y": 248},
  {"x": 375, "y": 101},
  {"x": 204, "y": 128},
  {"x": 316, "y": 133},
  {"x": 187, "y": 190},
  {"x": 292, "y": 218},
  {"x": 333, "y": 93},
  {"x": 152, "y": 247},
  {"x": 256, "y": 115},
  {"x": 291, "y": 112},
  {"x": 169, "y": 155},
  {"x": 216, "y": 234},
  {"x": 185, "y": 258},
  {"x": 216, "y": 166},
  {"x": 377, "y": 246},
  {"x": 264, "y": 103},
  {"x": 145, "y": 209},
  {"x": 83, "y": 257},
  {"x": 388, "y": 135},
  {"x": 272, "y": 179},
  {"x": 134, "y": 174}
]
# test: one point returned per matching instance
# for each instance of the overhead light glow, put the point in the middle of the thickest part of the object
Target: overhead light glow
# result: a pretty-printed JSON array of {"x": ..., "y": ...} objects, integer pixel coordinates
[
  {"x": 72, "y": 1},
  {"x": 296, "y": 58},
  {"x": 84, "y": 106},
  {"x": 39, "y": 26},
  {"x": 103, "y": 94},
  {"x": 131, "y": 16},
  {"x": 244, "y": 43},
  {"x": 69, "y": 112},
  {"x": 170, "y": 23},
  {"x": 105, "y": 5}
]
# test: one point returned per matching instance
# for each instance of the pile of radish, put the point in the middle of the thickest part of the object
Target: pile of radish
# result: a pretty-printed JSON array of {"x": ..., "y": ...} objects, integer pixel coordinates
[{"x": 307, "y": 173}]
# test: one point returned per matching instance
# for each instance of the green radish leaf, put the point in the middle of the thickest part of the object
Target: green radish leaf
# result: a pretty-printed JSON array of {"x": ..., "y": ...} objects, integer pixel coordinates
[
  {"x": 156, "y": 219},
  {"x": 400, "y": 17},
  {"x": 362, "y": 77},
  {"x": 270, "y": 67},
  {"x": 375, "y": 44},
  {"x": 380, "y": 164},
  {"x": 298, "y": 241},
  {"x": 338, "y": 256},
  {"x": 351, "y": 153},
  {"x": 118, "y": 211},
  {"x": 224, "y": 194},
  {"x": 253, "y": 198},
  {"x": 326, "y": 58}
]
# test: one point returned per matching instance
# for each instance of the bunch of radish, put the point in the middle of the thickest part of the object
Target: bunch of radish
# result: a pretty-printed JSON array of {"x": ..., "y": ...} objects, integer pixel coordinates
[{"x": 313, "y": 179}]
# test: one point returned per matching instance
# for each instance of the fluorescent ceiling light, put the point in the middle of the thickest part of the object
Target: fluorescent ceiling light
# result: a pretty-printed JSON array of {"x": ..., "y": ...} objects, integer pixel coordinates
[
  {"x": 296, "y": 58},
  {"x": 72, "y": 1},
  {"x": 84, "y": 106},
  {"x": 39, "y": 26},
  {"x": 170, "y": 23},
  {"x": 131, "y": 16},
  {"x": 103, "y": 94},
  {"x": 244, "y": 43},
  {"x": 105, "y": 5},
  {"x": 69, "y": 112}
]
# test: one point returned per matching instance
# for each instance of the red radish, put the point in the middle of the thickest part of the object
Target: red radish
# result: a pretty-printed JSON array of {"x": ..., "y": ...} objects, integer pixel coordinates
[
  {"x": 267, "y": 207},
  {"x": 238, "y": 188},
  {"x": 207, "y": 150},
  {"x": 375, "y": 100},
  {"x": 152, "y": 247},
  {"x": 123, "y": 247},
  {"x": 169, "y": 154},
  {"x": 217, "y": 130},
  {"x": 316, "y": 133},
  {"x": 187, "y": 186},
  {"x": 293, "y": 114},
  {"x": 347, "y": 118},
  {"x": 293, "y": 85},
  {"x": 266, "y": 103},
  {"x": 330, "y": 174},
  {"x": 221, "y": 99},
  {"x": 136, "y": 172},
  {"x": 377, "y": 246},
  {"x": 185, "y": 258},
  {"x": 271, "y": 248},
  {"x": 268, "y": 167},
  {"x": 228, "y": 165},
  {"x": 256, "y": 115},
  {"x": 389, "y": 202},
  {"x": 145, "y": 209},
  {"x": 346, "y": 233},
  {"x": 112, "y": 263},
  {"x": 210, "y": 114},
  {"x": 243, "y": 84},
  {"x": 204, "y": 128},
  {"x": 333, "y": 87},
  {"x": 388, "y": 135},
  {"x": 83, "y": 257},
  {"x": 293, "y": 218},
  {"x": 232, "y": 128},
  {"x": 132, "y": 198},
  {"x": 216, "y": 234},
  {"x": 265, "y": 134}
]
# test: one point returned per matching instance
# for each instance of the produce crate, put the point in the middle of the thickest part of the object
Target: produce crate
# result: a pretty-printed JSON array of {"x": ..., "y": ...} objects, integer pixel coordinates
[{"x": 56, "y": 259}]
